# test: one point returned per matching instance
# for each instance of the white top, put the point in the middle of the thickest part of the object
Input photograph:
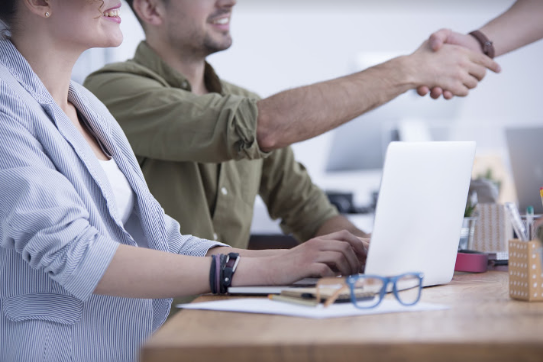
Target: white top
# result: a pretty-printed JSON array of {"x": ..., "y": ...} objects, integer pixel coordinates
[
  {"x": 124, "y": 196},
  {"x": 124, "y": 200}
]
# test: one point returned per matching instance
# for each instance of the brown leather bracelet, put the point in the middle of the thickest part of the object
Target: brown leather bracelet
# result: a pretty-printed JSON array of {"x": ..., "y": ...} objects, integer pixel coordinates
[{"x": 486, "y": 45}]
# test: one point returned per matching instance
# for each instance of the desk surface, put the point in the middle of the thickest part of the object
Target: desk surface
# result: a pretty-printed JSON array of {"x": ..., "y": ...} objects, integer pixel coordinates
[{"x": 483, "y": 324}]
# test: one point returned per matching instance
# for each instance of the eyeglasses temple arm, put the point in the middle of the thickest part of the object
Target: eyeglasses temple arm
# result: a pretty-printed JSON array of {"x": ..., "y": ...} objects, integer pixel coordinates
[{"x": 334, "y": 296}]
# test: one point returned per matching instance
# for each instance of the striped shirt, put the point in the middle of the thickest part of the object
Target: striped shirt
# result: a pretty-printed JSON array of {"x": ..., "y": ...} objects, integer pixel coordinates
[{"x": 59, "y": 228}]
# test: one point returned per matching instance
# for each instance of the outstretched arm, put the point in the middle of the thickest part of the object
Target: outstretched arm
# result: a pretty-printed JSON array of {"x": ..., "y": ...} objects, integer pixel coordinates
[
  {"x": 302, "y": 113},
  {"x": 520, "y": 25}
]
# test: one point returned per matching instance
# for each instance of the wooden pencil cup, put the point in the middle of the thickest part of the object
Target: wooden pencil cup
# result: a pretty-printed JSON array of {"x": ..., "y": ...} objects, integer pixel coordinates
[{"x": 525, "y": 272}]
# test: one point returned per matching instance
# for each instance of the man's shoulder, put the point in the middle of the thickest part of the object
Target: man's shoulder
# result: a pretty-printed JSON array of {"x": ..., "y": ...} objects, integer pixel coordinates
[
  {"x": 230, "y": 88},
  {"x": 125, "y": 69}
]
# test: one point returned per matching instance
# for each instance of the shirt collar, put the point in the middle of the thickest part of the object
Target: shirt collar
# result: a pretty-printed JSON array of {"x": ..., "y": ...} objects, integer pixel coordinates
[
  {"x": 147, "y": 57},
  {"x": 23, "y": 73}
]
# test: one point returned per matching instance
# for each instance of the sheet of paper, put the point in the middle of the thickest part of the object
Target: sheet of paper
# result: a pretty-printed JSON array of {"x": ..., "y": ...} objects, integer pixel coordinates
[{"x": 266, "y": 306}]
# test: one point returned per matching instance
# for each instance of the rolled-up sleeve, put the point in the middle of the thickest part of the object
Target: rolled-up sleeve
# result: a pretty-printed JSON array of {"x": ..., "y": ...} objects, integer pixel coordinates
[
  {"x": 187, "y": 244},
  {"x": 43, "y": 218},
  {"x": 172, "y": 124}
]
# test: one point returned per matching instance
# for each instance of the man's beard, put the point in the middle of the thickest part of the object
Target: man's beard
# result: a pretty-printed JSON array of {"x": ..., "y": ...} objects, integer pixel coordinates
[{"x": 212, "y": 46}]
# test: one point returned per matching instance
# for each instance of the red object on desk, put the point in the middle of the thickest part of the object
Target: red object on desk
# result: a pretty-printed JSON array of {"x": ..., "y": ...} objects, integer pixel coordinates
[{"x": 471, "y": 261}]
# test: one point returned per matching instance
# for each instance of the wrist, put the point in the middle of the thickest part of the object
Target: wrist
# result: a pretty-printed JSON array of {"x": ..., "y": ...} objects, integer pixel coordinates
[
  {"x": 406, "y": 73},
  {"x": 474, "y": 44},
  {"x": 394, "y": 77},
  {"x": 485, "y": 44},
  {"x": 254, "y": 271}
]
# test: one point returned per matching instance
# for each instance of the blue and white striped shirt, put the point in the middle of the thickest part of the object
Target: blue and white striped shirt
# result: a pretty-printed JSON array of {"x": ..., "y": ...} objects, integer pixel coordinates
[{"x": 59, "y": 228}]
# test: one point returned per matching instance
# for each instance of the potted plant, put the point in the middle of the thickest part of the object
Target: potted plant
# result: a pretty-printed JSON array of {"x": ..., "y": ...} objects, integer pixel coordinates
[{"x": 468, "y": 226}]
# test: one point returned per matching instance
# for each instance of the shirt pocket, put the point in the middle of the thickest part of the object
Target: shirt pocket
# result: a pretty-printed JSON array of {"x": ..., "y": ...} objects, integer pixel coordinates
[
  {"x": 42, "y": 325},
  {"x": 57, "y": 308}
]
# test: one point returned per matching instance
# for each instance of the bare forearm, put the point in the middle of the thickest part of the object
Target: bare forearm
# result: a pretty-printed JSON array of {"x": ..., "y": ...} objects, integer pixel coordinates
[
  {"x": 302, "y": 113},
  {"x": 522, "y": 24},
  {"x": 145, "y": 273},
  {"x": 338, "y": 223}
]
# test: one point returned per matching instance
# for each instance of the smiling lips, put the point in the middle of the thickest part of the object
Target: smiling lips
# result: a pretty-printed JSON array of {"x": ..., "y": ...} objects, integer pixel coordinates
[
  {"x": 221, "y": 21},
  {"x": 113, "y": 13}
]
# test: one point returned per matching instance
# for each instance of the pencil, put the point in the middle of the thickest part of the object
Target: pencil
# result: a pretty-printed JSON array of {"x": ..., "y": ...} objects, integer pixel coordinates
[
  {"x": 541, "y": 194},
  {"x": 293, "y": 300}
]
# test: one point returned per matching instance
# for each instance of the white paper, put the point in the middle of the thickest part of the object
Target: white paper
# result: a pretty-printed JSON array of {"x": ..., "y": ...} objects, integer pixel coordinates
[{"x": 266, "y": 306}]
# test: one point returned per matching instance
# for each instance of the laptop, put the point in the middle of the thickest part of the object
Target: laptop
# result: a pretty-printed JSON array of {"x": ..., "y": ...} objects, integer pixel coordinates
[
  {"x": 420, "y": 209},
  {"x": 419, "y": 212},
  {"x": 526, "y": 157}
]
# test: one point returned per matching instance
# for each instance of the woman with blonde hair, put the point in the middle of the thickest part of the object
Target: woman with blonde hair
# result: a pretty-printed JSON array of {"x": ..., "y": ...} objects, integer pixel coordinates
[{"x": 88, "y": 259}]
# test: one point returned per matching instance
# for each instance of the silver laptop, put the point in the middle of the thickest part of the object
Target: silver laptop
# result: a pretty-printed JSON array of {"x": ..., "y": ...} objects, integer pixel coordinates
[
  {"x": 420, "y": 209},
  {"x": 526, "y": 157},
  {"x": 419, "y": 213}
]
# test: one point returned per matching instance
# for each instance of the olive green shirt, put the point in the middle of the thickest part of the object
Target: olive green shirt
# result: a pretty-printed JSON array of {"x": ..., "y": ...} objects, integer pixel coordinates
[{"x": 200, "y": 155}]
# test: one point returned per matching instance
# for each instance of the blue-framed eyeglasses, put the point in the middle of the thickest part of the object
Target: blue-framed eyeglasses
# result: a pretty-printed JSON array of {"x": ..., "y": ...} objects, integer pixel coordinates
[{"x": 367, "y": 291}]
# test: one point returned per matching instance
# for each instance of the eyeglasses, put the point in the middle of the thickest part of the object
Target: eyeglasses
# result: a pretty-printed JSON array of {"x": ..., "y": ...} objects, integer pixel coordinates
[{"x": 367, "y": 291}]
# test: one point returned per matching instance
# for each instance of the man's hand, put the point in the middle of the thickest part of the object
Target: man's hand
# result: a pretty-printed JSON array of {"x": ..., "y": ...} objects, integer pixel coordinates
[
  {"x": 339, "y": 253},
  {"x": 447, "y": 36},
  {"x": 436, "y": 42},
  {"x": 453, "y": 67}
]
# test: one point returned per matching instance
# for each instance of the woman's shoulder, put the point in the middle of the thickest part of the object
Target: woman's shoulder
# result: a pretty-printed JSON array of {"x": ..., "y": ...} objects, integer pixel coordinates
[{"x": 12, "y": 106}]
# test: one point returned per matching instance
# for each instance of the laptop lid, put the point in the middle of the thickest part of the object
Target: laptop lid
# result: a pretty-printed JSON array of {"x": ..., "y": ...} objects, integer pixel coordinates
[
  {"x": 526, "y": 157},
  {"x": 420, "y": 208}
]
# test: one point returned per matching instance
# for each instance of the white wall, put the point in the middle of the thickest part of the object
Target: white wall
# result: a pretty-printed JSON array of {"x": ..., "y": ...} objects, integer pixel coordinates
[{"x": 281, "y": 44}]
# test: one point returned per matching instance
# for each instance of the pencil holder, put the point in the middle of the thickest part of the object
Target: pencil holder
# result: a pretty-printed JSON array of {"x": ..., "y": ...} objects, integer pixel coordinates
[
  {"x": 525, "y": 273},
  {"x": 493, "y": 229}
]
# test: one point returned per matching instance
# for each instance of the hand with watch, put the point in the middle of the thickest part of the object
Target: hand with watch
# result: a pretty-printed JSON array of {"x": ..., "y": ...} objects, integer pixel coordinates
[{"x": 476, "y": 41}]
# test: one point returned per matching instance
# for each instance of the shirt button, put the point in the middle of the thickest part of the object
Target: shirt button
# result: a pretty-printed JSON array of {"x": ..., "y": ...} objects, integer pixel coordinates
[
  {"x": 224, "y": 191},
  {"x": 215, "y": 236}
]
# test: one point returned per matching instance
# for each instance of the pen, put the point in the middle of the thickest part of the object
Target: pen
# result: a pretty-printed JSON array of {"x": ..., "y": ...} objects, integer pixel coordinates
[
  {"x": 529, "y": 221},
  {"x": 519, "y": 227},
  {"x": 293, "y": 300}
]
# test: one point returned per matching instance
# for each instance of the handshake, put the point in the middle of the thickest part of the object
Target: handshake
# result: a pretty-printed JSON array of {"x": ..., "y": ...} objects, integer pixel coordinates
[
  {"x": 478, "y": 54},
  {"x": 448, "y": 64}
]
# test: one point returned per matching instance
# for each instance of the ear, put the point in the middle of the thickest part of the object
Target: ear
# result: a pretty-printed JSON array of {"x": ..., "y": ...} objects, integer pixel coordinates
[
  {"x": 150, "y": 11},
  {"x": 39, "y": 7}
]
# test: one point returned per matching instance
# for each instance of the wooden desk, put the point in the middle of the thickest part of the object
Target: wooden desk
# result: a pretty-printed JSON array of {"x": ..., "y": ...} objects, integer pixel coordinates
[{"x": 483, "y": 324}]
